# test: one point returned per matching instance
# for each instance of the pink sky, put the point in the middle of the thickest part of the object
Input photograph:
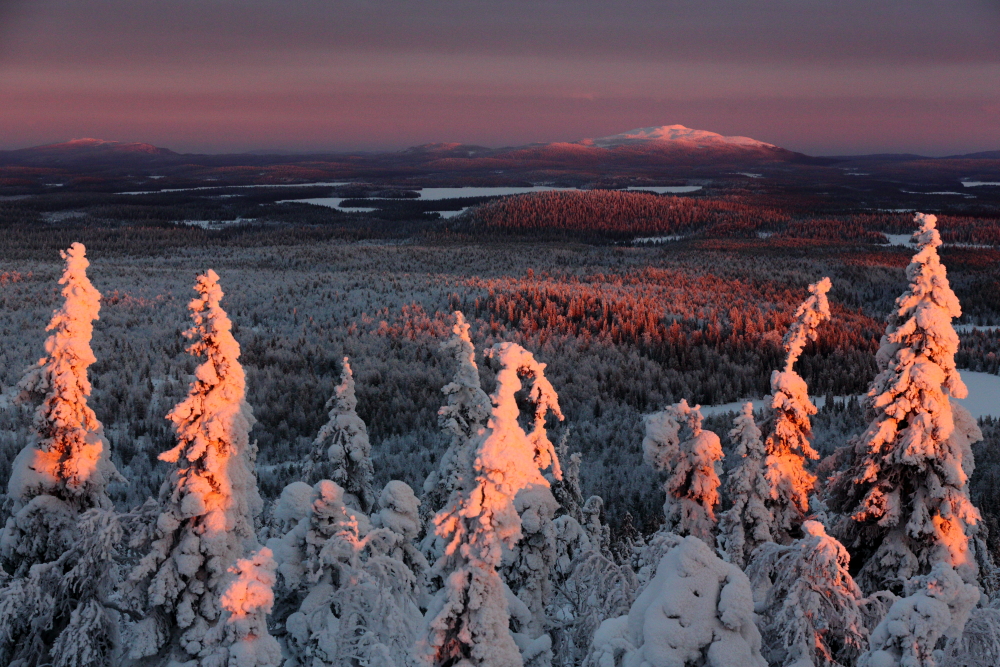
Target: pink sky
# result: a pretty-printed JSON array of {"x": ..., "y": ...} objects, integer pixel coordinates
[{"x": 225, "y": 75}]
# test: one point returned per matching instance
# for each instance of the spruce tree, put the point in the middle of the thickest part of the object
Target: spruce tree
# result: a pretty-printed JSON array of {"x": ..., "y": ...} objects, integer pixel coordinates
[
  {"x": 905, "y": 494},
  {"x": 61, "y": 540}
]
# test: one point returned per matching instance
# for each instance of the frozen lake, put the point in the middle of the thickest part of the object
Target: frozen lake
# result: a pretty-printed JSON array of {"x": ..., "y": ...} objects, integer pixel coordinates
[
  {"x": 669, "y": 189},
  {"x": 220, "y": 187}
]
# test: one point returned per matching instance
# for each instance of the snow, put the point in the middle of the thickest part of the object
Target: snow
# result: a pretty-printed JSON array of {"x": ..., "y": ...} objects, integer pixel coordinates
[
  {"x": 976, "y": 184},
  {"x": 900, "y": 239},
  {"x": 209, "y": 500},
  {"x": 668, "y": 133},
  {"x": 697, "y": 610},
  {"x": 907, "y": 487},
  {"x": 656, "y": 239},
  {"x": 667, "y": 189},
  {"x": 227, "y": 187},
  {"x": 451, "y": 214},
  {"x": 938, "y": 604},
  {"x": 984, "y": 394}
]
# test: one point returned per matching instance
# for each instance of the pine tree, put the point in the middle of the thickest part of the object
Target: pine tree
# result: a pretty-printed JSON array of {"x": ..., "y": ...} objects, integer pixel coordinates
[
  {"x": 675, "y": 442},
  {"x": 61, "y": 540},
  {"x": 208, "y": 501},
  {"x": 810, "y": 608},
  {"x": 468, "y": 620},
  {"x": 789, "y": 428},
  {"x": 905, "y": 492},
  {"x": 748, "y": 523},
  {"x": 462, "y": 418},
  {"x": 341, "y": 451}
]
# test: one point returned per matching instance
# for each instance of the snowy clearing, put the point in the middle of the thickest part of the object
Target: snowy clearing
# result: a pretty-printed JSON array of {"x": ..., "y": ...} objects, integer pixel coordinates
[{"x": 976, "y": 184}]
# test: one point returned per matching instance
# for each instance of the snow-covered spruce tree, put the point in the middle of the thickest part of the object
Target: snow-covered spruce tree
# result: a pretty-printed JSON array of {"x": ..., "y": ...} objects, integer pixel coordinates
[
  {"x": 676, "y": 443},
  {"x": 468, "y": 620},
  {"x": 208, "y": 501},
  {"x": 788, "y": 426},
  {"x": 462, "y": 418},
  {"x": 937, "y": 607},
  {"x": 567, "y": 490},
  {"x": 241, "y": 638},
  {"x": 341, "y": 451},
  {"x": 748, "y": 523},
  {"x": 350, "y": 590},
  {"x": 807, "y": 601},
  {"x": 697, "y": 611},
  {"x": 905, "y": 491},
  {"x": 60, "y": 542}
]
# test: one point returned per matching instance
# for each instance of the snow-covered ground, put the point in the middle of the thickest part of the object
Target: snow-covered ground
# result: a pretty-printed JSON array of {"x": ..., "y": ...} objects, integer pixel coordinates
[
  {"x": 969, "y": 328},
  {"x": 657, "y": 239},
  {"x": 983, "y": 400},
  {"x": 900, "y": 239},
  {"x": 976, "y": 184}
]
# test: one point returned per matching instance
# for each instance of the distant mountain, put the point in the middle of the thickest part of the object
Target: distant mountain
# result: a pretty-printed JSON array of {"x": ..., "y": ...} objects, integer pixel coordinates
[
  {"x": 673, "y": 134},
  {"x": 81, "y": 151}
]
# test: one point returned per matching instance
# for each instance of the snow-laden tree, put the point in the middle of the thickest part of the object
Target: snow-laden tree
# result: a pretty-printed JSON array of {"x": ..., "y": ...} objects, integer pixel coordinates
[
  {"x": 697, "y": 612},
  {"x": 676, "y": 443},
  {"x": 462, "y": 418},
  {"x": 60, "y": 541},
  {"x": 809, "y": 605},
  {"x": 568, "y": 491},
  {"x": 207, "y": 502},
  {"x": 905, "y": 492},
  {"x": 468, "y": 620},
  {"x": 937, "y": 607},
  {"x": 241, "y": 638},
  {"x": 748, "y": 523},
  {"x": 341, "y": 451},
  {"x": 350, "y": 590},
  {"x": 789, "y": 428}
]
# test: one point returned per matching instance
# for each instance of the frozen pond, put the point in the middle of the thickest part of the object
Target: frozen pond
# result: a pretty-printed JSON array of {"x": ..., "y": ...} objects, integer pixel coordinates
[{"x": 976, "y": 184}]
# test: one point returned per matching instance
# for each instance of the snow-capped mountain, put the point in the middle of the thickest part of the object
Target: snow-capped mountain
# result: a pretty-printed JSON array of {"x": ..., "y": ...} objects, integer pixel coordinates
[{"x": 673, "y": 133}]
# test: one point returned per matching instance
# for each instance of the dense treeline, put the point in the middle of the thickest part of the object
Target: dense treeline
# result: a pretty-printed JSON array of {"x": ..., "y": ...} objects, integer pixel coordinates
[{"x": 624, "y": 214}]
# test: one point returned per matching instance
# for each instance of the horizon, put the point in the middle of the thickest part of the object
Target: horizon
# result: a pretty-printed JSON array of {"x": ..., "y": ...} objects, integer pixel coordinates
[{"x": 261, "y": 76}]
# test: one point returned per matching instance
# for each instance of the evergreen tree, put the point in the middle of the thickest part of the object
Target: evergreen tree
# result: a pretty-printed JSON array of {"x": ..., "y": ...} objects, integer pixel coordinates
[
  {"x": 341, "y": 451},
  {"x": 748, "y": 523},
  {"x": 675, "y": 442},
  {"x": 905, "y": 493},
  {"x": 789, "y": 428},
  {"x": 61, "y": 540},
  {"x": 462, "y": 418},
  {"x": 208, "y": 501},
  {"x": 810, "y": 606},
  {"x": 468, "y": 620}
]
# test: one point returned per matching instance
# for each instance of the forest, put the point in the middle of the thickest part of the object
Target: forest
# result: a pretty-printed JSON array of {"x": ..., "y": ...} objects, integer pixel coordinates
[{"x": 351, "y": 453}]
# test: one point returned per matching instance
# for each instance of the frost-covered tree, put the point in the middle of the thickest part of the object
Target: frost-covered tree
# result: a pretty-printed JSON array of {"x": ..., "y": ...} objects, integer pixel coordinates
[
  {"x": 341, "y": 451},
  {"x": 748, "y": 523},
  {"x": 676, "y": 443},
  {"x": 905, "y": 493},
  {"x": 937, "y": 607},
  {"x": 61, "y": 538},
  {"x": 462, "y": 418},
  {"x": 241, "y": 638},
  {"x": 568, "y": 490},
  {"x": 351, "y": 584},
  {"x": 789, "y": 428},
  {"x": 208, "y": 501},
  {"x": 468, "y": 620},
  {"x": 809, "y": 605},
  {"x": 697, "y": 612}
]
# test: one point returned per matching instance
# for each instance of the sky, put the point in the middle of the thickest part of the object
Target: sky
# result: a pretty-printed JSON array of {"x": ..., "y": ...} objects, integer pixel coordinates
[{"x": 817, "y": 76}]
